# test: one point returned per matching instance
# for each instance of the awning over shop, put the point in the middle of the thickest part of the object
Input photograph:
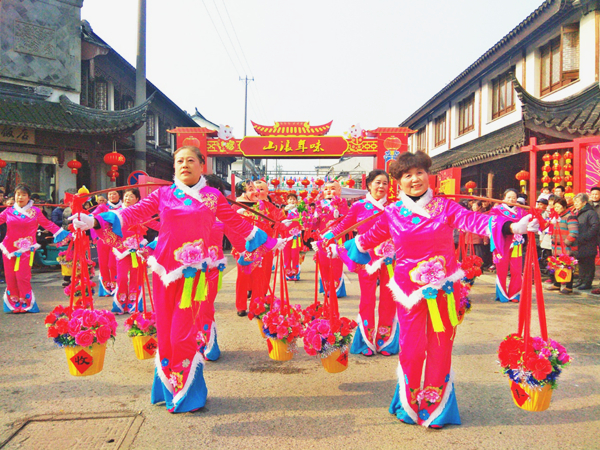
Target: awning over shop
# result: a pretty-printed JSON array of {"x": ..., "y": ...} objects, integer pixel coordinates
[{"x": 498, "y": 144}]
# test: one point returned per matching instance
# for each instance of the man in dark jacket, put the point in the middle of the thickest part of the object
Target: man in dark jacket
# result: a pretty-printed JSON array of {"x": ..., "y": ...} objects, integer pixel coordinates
[{"x": 587, "y": 240}]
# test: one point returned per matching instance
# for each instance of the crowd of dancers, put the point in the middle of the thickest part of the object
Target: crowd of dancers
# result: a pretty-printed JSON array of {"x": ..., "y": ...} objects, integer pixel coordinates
[{"x": 407, "y": 252}]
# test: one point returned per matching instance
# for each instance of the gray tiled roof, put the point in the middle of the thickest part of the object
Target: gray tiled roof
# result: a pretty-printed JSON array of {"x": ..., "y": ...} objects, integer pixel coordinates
[{"x": 67, "y": 116}]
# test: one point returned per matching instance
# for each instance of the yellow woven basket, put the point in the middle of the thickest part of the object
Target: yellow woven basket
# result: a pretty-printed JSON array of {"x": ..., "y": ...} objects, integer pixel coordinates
[
  {"x": 85, "y": 361},
  {"x": 563, "y": 275},
  {"x": 144, "y": 346},
  {"x": 336, "y": 362},
  {"x": 531, "y": 399},
  {"x": 278, "y": 350}
]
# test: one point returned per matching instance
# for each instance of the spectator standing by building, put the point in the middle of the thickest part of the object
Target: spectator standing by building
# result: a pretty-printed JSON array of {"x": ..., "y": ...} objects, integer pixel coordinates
[
  {"x": 587, "y": 240},
  {"x": 564, "y": 240}
]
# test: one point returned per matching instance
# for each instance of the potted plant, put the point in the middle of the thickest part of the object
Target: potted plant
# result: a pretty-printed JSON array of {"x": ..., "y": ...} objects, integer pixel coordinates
[
  {"x": 562, "y": 266},
  {"x": 330, "y": 338},
  {"x": 533, "y": 369},
  {"x": 83, "y": 333},
  {"x": 282, "y": 325},
  {"x": 141, "y": 328}
]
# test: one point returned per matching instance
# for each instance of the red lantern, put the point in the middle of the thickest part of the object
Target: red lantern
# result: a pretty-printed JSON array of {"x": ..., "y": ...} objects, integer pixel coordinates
[
  {"x": 523, "y": 177},
  {"x": 568, "y": 167},
  {"x": 569, "y": 189},
  {"x": 74, "y": 165},
  {"x": 303, "y": 194},
  {"x": 191, "y": 141},
  {"x": 556, "y": 169},
  {"x": 556, "y": 180},
  {"x": 546, "y": 180},
  {"x": 2, "y": 164},
  {"x": 114, "y": 160},
  {"x": 319, "y": 182},
  {"x": 305, "y": 183},
  {"x": 546, "y": 157},
  {"x": 314, "y": 193},
  {"x": 568, "y": 156},
  {"x": 289, "y": 182},
  {"x": 556, "y": 156},
  {"x": 471, "y": 185},
  {"x": 275, "y": 182},
  {"x": 568, "y": 179},
  {"x": 351, "y": 183},
  {"x": 112, "y": 174}
]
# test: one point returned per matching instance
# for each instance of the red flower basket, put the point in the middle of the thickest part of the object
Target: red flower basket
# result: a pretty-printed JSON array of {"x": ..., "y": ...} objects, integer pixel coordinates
[{"x": 533, "y": 364}]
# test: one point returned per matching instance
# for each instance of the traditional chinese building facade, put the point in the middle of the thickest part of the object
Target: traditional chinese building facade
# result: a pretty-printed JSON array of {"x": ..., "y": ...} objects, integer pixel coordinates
[
  {"x": 540, "y": 81},
  {"x": 66, "y": 95}
]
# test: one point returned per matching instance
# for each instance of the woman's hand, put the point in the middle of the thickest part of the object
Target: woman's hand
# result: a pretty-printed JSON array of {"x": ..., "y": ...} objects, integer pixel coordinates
[{"x": 82, "y": 221}]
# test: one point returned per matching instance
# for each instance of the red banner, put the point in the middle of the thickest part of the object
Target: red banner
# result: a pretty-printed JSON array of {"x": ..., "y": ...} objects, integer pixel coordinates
[{"x": 293, "y": 147}]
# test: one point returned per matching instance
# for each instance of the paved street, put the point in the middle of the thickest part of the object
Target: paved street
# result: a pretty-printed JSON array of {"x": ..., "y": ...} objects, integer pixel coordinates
[{"x": 255, "y": 402}]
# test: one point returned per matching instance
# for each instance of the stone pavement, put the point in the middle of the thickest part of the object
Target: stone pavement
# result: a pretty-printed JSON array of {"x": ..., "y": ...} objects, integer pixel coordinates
[{"x": 255, "y": 402}]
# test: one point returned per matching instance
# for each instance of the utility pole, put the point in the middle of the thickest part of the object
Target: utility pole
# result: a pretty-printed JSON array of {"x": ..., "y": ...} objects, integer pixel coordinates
[
  {"x": 140, "y": 86},
  {"x": 246, "y": 81}
]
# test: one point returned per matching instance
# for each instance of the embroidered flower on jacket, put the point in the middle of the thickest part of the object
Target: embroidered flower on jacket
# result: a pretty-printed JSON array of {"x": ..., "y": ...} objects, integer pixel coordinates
[
  {"x": 24, "y": 244},
  {"x": 190, "y": 253},
  {"x": 131, "y": 243},
  {"x": 385, "y": 249},
  {"x": 405, "y": 211},
  {"x": 430, "y": 271},
  {"x": 430, "y": 394}
]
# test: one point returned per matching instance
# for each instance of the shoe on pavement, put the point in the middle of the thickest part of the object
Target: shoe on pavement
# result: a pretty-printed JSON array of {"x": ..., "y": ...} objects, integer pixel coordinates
[
  {"x": 584, "y": 287},
  {"x": 549, "y": 281},
  {"x": 596, "y": 291},
  {"x": 566, "y": 291},
  {"x": 552, "y": 288},
  {"x": 242, "y": 313}
]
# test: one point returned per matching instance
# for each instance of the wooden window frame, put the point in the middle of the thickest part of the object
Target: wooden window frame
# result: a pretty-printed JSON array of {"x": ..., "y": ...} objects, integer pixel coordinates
[
  {"x": 151, "y": 126},
  {"x": 565, "y": 77},
  {"x": 421, "y": 138},
  {"x": 466, "y": 108},
  {"x": 440, "y": 129},
  {"x": 501, "y": 85}
]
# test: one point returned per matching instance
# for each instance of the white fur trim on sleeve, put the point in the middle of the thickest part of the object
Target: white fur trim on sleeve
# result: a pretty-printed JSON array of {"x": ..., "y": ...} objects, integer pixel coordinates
[{"x": 252, "y": 234}]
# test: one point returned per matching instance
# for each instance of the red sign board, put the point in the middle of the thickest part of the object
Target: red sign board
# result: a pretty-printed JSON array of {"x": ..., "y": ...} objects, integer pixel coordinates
[{"x": 293, "y": 147}]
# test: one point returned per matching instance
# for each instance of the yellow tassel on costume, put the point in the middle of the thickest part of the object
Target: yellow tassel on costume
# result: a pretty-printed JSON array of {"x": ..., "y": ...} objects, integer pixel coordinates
[
  {"x": 186, "y": 296},
  {"x": 220, "y": 280},
  {"x": 294, "y": 243},
  {"x": 517, "y": 251},
  {"x": 434, "y": 313},
  {"x": 134, "y": 261},
  {"x": 452, "y": 309},
  {"x": 201, "y": 288},
  {"x": 390, "y": 269},
  {"x": 31, "y": 259},
  {"x": 17, "y": 263}
]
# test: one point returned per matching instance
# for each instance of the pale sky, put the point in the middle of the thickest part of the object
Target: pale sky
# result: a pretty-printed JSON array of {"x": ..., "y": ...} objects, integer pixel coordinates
[{"x": 368, "y": 62}]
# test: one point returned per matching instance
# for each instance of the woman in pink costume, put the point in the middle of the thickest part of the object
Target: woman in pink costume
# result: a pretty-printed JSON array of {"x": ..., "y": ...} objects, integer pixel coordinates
[
  {"x": 106, "y": 258},
  {"x": 22, "y": 221},
  {"x": 292, "y": 229},
  {"x": 382, "y": 338},
  {"x": 187, "y": 210},
  {"x": 512, "y": 260},
  {"x": 426, "y": 285},
  {"x": 330, "y": 210}
]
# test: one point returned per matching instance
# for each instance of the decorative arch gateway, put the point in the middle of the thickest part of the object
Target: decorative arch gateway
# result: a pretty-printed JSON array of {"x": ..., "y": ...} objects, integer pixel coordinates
[{"x": 299, "y": 140}]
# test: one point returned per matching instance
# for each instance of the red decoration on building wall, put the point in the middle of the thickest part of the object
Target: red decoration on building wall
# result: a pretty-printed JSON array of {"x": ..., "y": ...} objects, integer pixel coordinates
[
  {"x": 74, "y": 165},
  {"x": 2, "y": 164},
  {"x": 523, "y": 177}
]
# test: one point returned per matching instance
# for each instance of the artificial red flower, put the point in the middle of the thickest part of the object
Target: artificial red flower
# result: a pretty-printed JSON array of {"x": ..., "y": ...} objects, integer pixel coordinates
[{"x": 539, "y": 367}]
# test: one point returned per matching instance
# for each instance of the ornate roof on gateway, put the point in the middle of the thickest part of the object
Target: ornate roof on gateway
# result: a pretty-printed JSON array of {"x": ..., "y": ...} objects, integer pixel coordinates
[
  {"x": 68, "y": 117},
  {"x": 573, "y": 117},
  {"x": 292, "y": 129}
]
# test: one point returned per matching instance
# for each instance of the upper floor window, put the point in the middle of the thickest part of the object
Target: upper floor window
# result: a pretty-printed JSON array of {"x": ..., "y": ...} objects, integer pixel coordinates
[
  {"x": 101, "y": 94},
  {"x": 421, "y": 139},
  {"x": 440, "y": 129},
  {"x": 466, "y": 115},
  {"x": 560, "y": 60},
  {"x": 150, "y": 125},
  {"x": 503, "y": 98}
]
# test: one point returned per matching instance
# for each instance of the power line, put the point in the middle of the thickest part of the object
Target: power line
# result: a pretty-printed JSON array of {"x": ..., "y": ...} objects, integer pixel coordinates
[
  {"x": 236, "y": 37},
  {"x": 229, "y": 37},
  {"x": 221, "y": 39}
]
